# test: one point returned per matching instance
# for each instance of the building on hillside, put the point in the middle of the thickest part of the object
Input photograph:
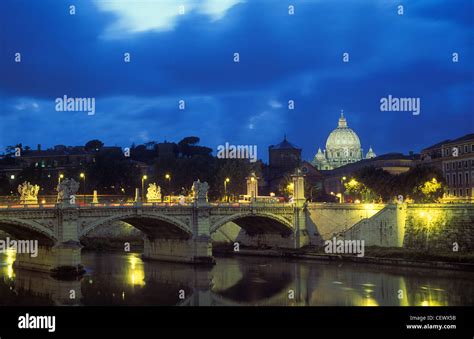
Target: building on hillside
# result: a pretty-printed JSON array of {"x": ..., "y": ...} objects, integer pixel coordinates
[
  {"x": 455, "y": 158},
  {"x": 394, "y": 163}
]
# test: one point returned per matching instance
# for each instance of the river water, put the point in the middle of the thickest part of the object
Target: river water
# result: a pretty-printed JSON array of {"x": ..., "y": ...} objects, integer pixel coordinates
[{"x": 125, "y": 279}]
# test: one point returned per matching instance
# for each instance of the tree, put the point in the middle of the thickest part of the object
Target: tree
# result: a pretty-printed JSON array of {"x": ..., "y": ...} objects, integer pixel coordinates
[
  {"x": 417, "y": 183},
  {"x": 94, "y": 145},
  {"x": 377, "y": 181},
  {"x": 430, "y": 191},
  {"x": 237, "y": 170},
  {"x": 358, "y": 190},
  {"x": 285, "y": 186},
  {"x": 111, "y": 172},
  {"x": 188, "y": 147}
]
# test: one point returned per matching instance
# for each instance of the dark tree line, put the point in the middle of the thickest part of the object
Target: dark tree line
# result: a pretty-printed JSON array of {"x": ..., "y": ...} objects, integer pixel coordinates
[{"x": 112, "y": 172}]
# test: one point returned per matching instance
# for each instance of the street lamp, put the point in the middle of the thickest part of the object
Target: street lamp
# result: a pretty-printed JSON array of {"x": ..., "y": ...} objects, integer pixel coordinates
[
  {"x": 83, "y": 176},
  {"x": 342, "y": 189},
  {"x": 226, "y": 181},
  {"x": 145, "y": 177},
  {"x": 12, "y": 177},
  {"x": 168, "y": 177},
  {"x": 60, "y": 177}
]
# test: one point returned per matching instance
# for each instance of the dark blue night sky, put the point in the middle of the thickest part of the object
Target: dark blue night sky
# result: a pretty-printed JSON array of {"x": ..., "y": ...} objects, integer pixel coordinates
[{"x": 190, "y": 57}]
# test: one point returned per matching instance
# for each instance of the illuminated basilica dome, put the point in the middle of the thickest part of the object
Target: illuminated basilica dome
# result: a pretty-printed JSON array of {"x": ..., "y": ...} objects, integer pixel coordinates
[{"x": 342, "y": 147}]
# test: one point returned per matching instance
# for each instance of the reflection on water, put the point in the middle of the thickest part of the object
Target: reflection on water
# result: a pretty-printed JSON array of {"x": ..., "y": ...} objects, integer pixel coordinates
[
  {"x": 7, "y": 267},
  {"x": 125, "y": 279}
]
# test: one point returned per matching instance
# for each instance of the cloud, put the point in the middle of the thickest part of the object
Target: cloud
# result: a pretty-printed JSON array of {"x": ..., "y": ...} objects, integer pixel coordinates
[
  {"x": 283, "y": 57},
  {"x": 275, "y": 104},
  {"x": 25, "y": 104},
  {"x": 157, "y": 16}
]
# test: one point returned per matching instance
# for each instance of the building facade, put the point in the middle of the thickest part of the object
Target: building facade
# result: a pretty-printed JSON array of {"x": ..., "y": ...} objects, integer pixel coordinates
[
  {"x": 455, "y": 158},
  {"x": 283, "y": 158}
]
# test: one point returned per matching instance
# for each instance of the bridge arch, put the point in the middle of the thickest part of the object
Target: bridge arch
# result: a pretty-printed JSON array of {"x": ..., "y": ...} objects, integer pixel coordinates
[
  {"x": 154, "y": 226},
  {"x": 28, "y": 230},
  {"x": 257, "y": 223}
]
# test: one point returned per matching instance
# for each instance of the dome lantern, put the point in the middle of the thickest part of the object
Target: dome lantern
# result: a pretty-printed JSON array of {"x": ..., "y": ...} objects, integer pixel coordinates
[{"x": 342, "y": 121}]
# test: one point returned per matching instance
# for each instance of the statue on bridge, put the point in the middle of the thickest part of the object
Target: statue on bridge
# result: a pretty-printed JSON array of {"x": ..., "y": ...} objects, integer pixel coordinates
[
  {"x": 67, "y": 190},
  {"x": 200, "y": 190},
  {"x": 153, "y": 193},
  {"x": 28, "y": 193}
]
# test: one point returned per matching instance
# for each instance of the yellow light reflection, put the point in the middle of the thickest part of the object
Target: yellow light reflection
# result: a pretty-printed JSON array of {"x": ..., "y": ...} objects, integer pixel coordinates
[
  {"x": 10, "y": 259},
  {"x": 136, "y": 271},
  {"x": 430, "y": 296},
  {"x": 369, "y": 301}
]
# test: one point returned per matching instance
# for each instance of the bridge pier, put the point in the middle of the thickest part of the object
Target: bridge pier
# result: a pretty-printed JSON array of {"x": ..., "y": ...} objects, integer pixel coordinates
[
  {"x": 60, "y": 259},
  {"x": 196, "y": 249},
  {"x": 60, "y": 255},
  {"x": 177, "y": 250},
  {"x": 300, "y": 234}
]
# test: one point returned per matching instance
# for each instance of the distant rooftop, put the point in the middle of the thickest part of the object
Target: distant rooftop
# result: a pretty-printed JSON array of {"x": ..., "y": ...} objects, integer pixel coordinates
[
  {"x": 285, "y": 144},
  {"x": 449, "y": 141},
  {"x": 393, "y": 159}
]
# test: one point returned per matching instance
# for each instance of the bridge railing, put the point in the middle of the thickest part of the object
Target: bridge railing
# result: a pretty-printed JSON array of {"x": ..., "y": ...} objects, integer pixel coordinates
[
  {"x": 253, "y": 204},
  {"x": 91, "y": 205},
  {"x": 105, "y": 201}
]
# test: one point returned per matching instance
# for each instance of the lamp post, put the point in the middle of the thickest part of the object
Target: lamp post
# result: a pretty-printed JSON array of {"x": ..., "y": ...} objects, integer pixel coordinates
[
  {"x": 83, "y": 176},
  {"x": 12, "y": 178},
  {"x": 342, "y": 189},
  {"x": 60, "y": 177},
  {"x": 168, "y": 177},
  {"x": 145, "y": 177},
  {"x": 226, "y": 181}
]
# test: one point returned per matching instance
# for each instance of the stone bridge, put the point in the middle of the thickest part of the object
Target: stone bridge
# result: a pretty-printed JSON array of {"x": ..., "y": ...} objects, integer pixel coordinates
[{"x": 173, "y": 232}]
